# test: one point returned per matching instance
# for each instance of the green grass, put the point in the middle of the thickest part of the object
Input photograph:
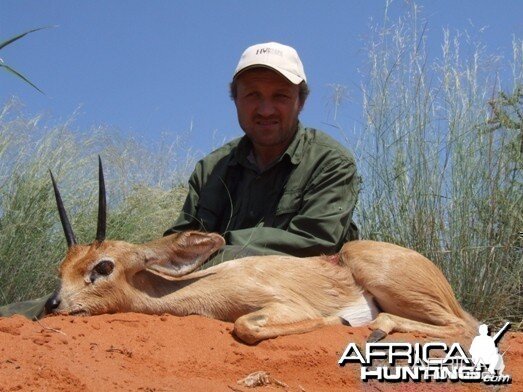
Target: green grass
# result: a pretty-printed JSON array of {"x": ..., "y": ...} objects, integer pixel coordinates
[
  {"x": 441, "y": 167},
  {"x": 144, "y": 186}
]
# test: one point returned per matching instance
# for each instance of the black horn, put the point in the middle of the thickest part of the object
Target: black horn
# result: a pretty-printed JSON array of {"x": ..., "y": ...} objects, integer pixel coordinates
[
  {"x": 102, "y": 204},
  {"x": 68, "y": 230}
]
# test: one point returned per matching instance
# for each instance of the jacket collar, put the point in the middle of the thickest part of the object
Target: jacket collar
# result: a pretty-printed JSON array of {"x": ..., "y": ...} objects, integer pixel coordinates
[{"x": 295, "y": 150}]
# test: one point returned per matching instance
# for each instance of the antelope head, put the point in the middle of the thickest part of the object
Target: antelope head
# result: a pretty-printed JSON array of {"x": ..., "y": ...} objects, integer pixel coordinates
[{"x": 116, "y": 276}]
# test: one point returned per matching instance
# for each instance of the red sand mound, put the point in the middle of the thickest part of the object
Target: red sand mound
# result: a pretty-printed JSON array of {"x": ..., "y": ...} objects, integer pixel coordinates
[{"x": 136, "y": 352}]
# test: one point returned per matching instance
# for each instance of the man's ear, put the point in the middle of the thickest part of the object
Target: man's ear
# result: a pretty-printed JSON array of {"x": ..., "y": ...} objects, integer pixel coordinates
[
  {"x": 301, "y": 104},
  {"x": 181, "y": 253}
]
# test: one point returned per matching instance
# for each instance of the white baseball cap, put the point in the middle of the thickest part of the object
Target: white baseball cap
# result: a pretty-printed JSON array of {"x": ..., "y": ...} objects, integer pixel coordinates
[{"x": 281, "y": 58}]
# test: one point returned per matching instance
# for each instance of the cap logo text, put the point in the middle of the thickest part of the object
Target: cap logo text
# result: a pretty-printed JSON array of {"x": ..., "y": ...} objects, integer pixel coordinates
[{"x": 269, "y": 50}]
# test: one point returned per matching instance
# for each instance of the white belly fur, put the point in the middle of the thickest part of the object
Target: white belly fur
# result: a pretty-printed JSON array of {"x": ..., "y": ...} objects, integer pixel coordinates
[{"x": 361, "y": 312}]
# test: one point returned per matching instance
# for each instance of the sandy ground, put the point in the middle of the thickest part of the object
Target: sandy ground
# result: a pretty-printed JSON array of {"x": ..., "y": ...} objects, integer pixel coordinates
[{"x": 136, "y": 352}]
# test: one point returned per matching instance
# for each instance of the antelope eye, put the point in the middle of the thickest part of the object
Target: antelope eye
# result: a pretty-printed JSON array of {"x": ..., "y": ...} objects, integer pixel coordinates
[{"x": 104, "y": 267}]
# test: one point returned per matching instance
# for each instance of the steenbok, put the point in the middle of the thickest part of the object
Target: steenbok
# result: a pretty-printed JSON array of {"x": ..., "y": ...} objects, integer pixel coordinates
[{"x": 382, "y": 285}]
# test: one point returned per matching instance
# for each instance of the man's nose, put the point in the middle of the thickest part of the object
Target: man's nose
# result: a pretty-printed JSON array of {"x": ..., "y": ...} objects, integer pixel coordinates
[{"x": 266, "y": 108}]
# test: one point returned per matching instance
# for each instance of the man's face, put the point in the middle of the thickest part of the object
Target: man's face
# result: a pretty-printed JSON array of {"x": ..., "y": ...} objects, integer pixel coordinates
[{"x": 268, "y": 106}]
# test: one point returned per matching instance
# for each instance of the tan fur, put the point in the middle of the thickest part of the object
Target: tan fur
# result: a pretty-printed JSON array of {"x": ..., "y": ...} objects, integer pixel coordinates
[{"x": 265, "y": 296}]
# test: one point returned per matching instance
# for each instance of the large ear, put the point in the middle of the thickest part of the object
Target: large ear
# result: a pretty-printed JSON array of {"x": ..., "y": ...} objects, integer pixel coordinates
[{"x": 181, "y": 253}]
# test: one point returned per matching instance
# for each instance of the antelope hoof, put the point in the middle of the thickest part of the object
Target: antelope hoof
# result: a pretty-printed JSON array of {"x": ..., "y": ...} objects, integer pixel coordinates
[{"x": 376, "y": 336}]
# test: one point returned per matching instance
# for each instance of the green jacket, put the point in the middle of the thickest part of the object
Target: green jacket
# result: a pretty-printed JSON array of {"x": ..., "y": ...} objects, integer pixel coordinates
[{"x": 301, "y": 205}]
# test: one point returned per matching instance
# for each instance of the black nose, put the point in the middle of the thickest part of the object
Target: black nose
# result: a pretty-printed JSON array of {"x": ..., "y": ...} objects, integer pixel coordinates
[{"x": 52, "y": 303}]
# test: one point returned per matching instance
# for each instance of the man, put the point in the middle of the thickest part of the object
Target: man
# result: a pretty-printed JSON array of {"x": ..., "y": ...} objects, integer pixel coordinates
[
  {"x": 484, "y": 351},
  {"x": 282, "y": 188}
]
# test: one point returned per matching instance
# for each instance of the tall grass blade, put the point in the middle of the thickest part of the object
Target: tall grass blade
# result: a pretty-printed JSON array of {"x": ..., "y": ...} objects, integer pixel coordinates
[
  {"x": 18, "y": 74},
  {"x": 14, "y": 39},
  {"x": 17, "y": 37}
]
